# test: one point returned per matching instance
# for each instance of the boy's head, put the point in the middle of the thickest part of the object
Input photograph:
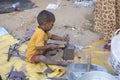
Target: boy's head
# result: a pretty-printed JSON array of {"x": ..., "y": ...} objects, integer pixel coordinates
[{"x": 46, "y": 19}]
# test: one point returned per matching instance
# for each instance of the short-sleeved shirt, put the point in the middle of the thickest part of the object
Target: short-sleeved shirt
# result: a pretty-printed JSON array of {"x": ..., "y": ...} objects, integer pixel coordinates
[{"x": 39, "y": 38}]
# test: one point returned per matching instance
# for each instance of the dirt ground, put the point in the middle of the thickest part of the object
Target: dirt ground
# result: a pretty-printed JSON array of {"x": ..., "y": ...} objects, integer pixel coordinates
[{"x": 77, "y": 22}]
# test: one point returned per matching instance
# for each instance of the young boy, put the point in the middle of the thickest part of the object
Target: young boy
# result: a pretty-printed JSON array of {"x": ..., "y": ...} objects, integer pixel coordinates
[{"x": 38, "y": 46}]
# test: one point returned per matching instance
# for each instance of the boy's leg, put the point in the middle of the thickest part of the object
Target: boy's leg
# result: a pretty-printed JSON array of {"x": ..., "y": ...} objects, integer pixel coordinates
[{"x": 46, "y": 60}]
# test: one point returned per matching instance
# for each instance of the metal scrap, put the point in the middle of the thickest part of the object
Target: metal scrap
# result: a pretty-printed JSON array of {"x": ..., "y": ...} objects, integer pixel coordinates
[
  {"x": 14, "y": 49},
  {"x": 68, "y": 51},
  {"x": 16, "y": 75}
]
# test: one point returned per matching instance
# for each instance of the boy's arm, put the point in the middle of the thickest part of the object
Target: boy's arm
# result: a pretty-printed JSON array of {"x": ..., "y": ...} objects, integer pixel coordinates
[
  {"x": 48, "y": 47},
  {"x": 45, "y": 47},
  {"x": 55, "y": 37}
]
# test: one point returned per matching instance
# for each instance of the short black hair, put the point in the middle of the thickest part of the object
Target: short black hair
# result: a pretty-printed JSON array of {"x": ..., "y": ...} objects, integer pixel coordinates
[{"x": 45, "y": 16}]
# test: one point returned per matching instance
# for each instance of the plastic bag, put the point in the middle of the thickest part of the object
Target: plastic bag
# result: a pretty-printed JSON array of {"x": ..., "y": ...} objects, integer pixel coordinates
[
  {"x": 83, "y": 3},
  {"x": 115, "y": 52}
]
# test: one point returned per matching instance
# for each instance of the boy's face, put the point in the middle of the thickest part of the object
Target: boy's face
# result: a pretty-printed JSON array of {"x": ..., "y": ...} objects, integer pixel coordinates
[{"x": 48, "y": 26}]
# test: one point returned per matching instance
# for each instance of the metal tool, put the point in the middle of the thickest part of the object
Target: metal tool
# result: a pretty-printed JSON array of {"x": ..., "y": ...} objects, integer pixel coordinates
[
  {"x": 68, "y": 52},
  {"x": 13, "y": 49}
]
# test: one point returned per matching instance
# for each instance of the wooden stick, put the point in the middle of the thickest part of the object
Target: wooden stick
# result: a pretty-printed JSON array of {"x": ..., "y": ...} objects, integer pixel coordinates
[{"x": 88, "y": 62}]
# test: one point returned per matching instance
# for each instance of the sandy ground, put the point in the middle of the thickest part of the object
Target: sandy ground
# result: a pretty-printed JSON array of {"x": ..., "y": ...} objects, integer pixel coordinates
[{"x": 77, "y": 22}]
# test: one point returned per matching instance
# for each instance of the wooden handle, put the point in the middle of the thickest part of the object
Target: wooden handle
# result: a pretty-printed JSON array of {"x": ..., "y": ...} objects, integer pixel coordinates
[{"x": 88, "y": 62}]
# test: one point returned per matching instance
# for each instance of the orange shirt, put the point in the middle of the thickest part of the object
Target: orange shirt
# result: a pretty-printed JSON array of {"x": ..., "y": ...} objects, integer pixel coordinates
[{"x": 39, "y": 38}]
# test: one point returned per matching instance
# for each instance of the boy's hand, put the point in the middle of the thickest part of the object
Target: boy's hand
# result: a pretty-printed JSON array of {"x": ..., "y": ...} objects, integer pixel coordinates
[
  {"x": 66, "y": 38},
  {"x": 65, "y": 63}
]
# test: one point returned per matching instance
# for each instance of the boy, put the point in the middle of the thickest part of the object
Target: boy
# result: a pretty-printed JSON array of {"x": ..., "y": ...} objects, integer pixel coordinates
[{"x": 38, "y": 46}]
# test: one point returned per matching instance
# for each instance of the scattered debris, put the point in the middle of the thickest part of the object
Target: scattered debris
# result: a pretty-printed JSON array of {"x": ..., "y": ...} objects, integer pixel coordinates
[
  {"x": 54, "y": 6},
  {"x": 74, "y": 28},
  {"x": 14, "y": 49},
  {"x": 29, "y": 32},
  {"x": 16, "y": 75},
  {"x": 66, "y": 26},
  {"x": 2, "y": 31},
  {"x": 16, "y": 6},
  {"x": 7, "y": 6},
  {"x": 83, "y": 3}
]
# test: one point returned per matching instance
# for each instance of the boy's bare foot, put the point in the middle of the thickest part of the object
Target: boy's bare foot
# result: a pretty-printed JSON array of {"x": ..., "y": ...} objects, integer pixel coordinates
[{"x": 65, "y": 63}]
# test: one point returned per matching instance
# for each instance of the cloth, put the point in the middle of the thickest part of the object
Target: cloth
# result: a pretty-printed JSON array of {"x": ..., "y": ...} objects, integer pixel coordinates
[
  {"x": 107, "y": 17},
  {"x": 39, "y": 38},
  {"x": 32, "y": 71}
]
